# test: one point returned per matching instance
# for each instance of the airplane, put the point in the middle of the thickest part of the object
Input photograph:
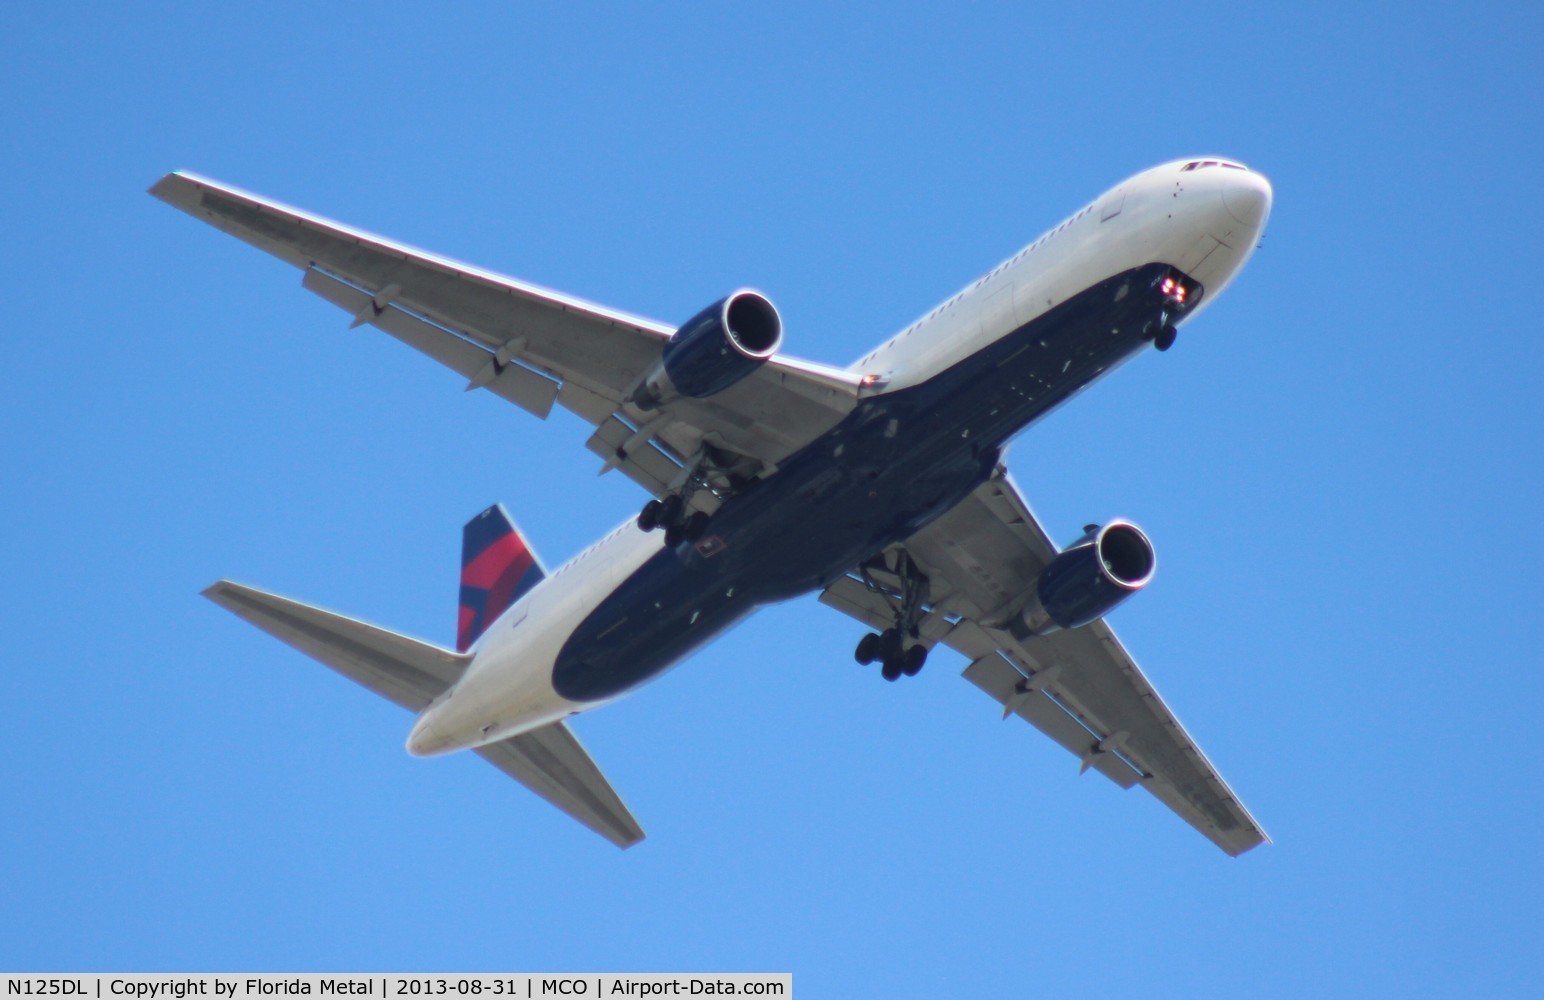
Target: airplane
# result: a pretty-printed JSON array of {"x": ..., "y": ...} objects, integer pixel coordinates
[{"x": 880, "y": 485}]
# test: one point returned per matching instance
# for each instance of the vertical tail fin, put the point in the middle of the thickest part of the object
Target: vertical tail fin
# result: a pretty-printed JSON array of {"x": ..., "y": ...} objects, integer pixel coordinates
[{"x": 497, "y": 568}]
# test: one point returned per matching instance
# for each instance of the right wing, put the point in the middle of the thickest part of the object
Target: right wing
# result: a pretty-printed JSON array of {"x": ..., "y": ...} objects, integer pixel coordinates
[
  {"x": 1078, "y": 686},
  {"x": 535, "y": 347},
  {"x": 549, "y": 761}
]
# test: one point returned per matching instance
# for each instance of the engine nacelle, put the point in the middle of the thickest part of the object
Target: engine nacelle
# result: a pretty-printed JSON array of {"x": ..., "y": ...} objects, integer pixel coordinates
[
  {"x": 715, "y": 349},
  {"x": 1088, "y": 579}
]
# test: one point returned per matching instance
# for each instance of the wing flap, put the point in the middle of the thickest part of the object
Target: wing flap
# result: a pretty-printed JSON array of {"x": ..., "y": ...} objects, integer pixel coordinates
[
  {"x": 622, "y": 446},
  {"x": 546, "y": 345},
  {"x": 405, "y": 671},
  {"x": 1112, "y": 694},
  {"x": 983, "y": 550},
  {"x": 853, "y": 598},
  {"x": 527, "y": 389},
  {"x": 551, "y": 762},
  {"x": 998, "y": 678}
]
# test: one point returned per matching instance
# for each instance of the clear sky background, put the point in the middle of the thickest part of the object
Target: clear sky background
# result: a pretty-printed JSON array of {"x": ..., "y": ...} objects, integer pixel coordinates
[{"x": 1339, "y": 464}]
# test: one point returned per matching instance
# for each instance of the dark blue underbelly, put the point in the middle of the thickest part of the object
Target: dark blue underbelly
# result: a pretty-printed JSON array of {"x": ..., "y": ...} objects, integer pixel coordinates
[{"x": 893, "y": 465}]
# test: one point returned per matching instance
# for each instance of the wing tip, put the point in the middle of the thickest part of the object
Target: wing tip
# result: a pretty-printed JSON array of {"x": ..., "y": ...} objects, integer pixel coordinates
[
  {"x": 1235, "y": 847},
  {"x": 220, "y": 591},
  {"x": 185, "y": 189},
  {"x": 175, "y": 188}
]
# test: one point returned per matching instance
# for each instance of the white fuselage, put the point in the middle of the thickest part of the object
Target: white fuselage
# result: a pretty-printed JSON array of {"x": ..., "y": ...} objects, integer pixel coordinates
[{"x": 1202, "y": 216}]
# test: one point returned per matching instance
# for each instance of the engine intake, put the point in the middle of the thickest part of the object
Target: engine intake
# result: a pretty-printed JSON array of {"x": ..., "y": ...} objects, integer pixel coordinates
[
  {"x": 1089, "y": 579},
  {"x": 715, "y": 349}
]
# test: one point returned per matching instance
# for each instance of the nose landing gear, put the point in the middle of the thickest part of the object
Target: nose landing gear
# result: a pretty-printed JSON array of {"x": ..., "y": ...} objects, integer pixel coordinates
[
  {"x": 1161, "y": 331},
  {"x": 1179, "y": 296}
]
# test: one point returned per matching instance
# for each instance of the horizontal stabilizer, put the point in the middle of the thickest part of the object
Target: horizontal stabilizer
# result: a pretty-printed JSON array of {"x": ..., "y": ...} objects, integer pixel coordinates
[
  {"x": 406, "y": 671},
  {"x": 551, "y": 762}
]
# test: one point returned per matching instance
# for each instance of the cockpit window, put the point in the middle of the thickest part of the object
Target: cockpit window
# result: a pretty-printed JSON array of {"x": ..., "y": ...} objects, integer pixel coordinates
[{"x": 1203, "y": 164}]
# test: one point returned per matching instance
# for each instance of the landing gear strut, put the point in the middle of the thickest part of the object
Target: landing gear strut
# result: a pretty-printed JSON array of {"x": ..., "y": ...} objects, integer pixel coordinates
[
  {"x": 709, "y": 469},
  {"x": 1178, "y": 297},
  {"x": 897, "y": 648}
]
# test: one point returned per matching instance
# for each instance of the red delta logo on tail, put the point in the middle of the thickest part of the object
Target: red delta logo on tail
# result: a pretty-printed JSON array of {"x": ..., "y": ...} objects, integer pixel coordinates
[{"x": 497, "y": 569}]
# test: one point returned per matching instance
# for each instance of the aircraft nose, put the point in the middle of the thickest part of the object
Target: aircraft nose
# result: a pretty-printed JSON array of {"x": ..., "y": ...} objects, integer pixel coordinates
[{"x": 1247, "y": 196}]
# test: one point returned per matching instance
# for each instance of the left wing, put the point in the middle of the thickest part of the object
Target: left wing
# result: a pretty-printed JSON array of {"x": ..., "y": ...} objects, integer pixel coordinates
[
  {"x": 535, "y": 347},
  {"x": 1078, "y": 686}
]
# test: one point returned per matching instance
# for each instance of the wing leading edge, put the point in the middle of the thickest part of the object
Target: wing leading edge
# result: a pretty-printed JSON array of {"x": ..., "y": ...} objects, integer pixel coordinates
[
  {"x": 1080, "y": 686},
  {"x": 550, "y": 761},
  {"x": 532, "y": 346}
]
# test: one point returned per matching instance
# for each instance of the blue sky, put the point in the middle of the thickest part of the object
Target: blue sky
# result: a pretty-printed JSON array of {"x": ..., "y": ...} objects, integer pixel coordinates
[{"x": 1339, "y": 464}]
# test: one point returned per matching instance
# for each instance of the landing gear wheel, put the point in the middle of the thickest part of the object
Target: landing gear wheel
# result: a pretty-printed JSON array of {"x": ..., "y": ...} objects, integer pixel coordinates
[
  {"x": 674, "y": 535},
  {"x": 670, "y": 510},
  {"x": 648, "y": 518},
  {"x": 888, "y": 649},
  {"x": 1165, "y": 337},
  {"x": 695, "y": 526},
  {"x": 897, "y": 647}
]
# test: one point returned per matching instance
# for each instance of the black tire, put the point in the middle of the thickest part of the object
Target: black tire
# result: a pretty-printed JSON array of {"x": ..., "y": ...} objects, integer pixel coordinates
[
  {"x": 891, "y": 670},
  {"x": 890, "y": 644},
  {"x": 696, "y": 526},
  {"x": 648, "y": 518},
  {"x": 673, "y": 536},
  {"x": 1165, "y": 338},
  {"x": 915, "y": 657},
  {"x": 868, "y": 649},
  {"x": 670, "y": 510}
]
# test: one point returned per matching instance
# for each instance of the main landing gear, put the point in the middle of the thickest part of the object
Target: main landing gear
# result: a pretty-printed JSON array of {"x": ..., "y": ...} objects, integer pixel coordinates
[
  {"x": 899, "y": 648},
  {"x": 671, "y": 513},
  {"x": 889, "y": 647}
]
